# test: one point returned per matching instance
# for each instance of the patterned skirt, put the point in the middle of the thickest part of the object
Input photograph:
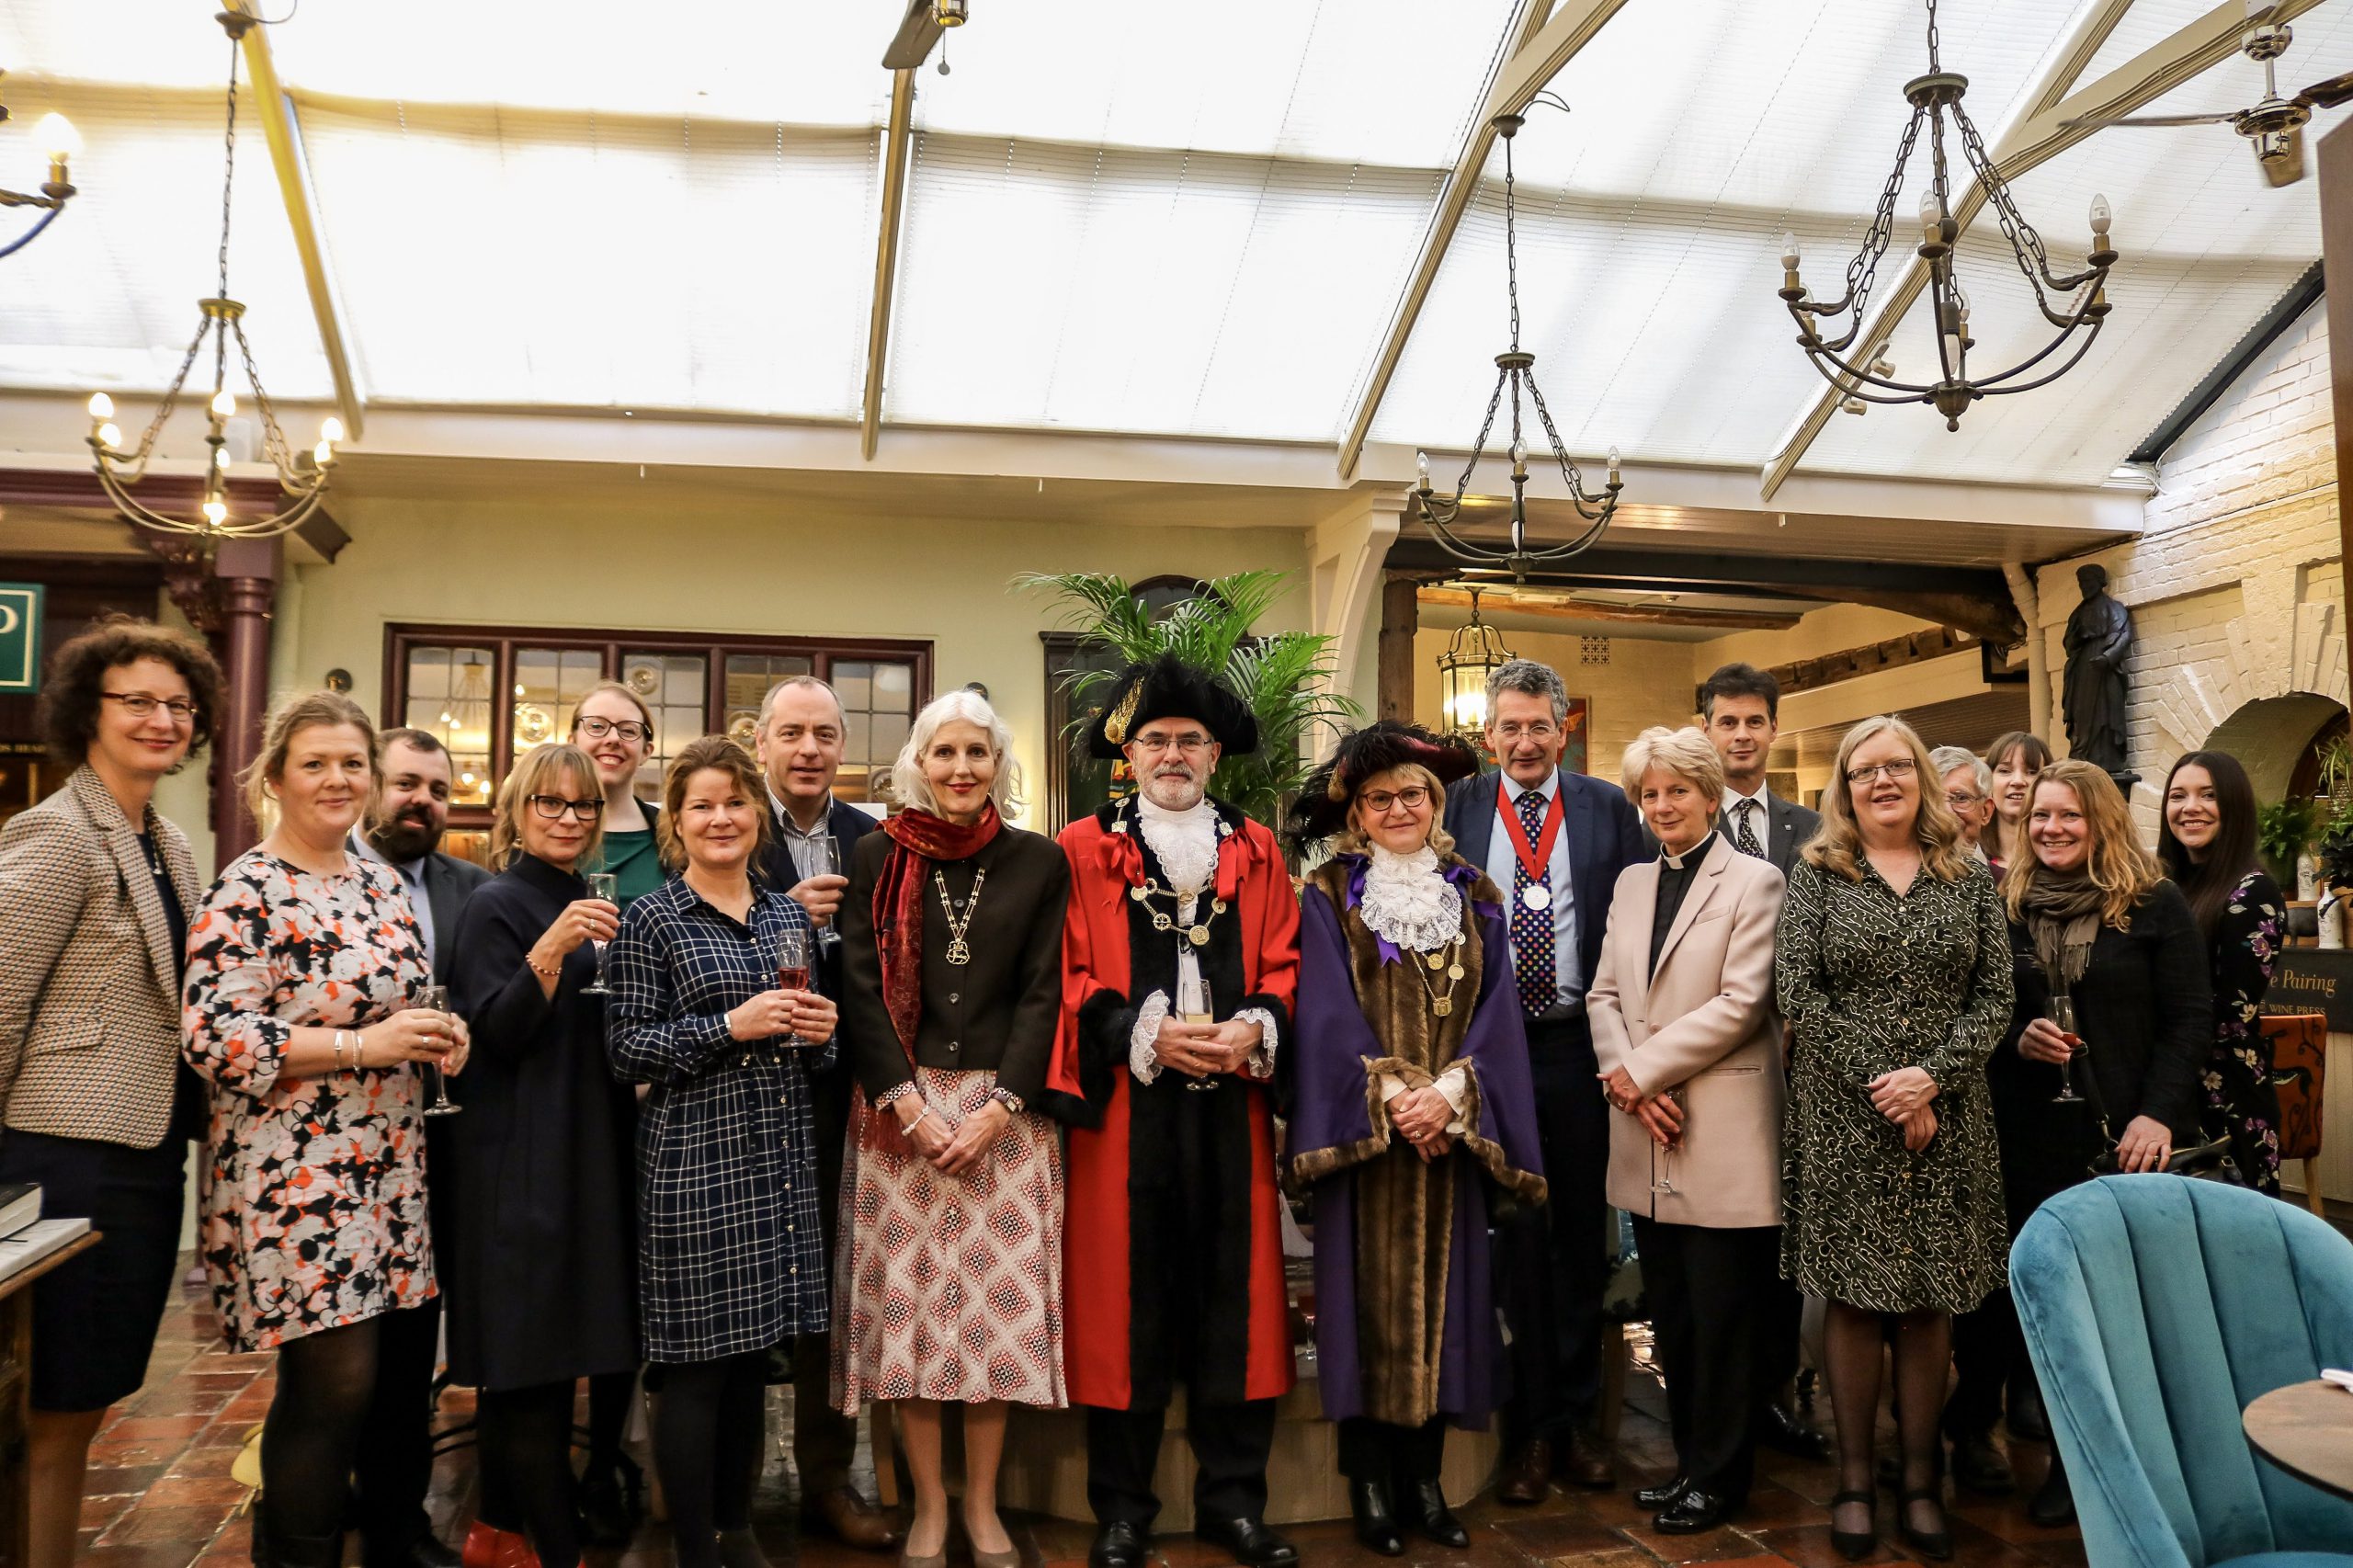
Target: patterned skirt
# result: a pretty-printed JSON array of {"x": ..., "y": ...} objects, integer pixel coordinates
[{"x": 950, "y": 1287}]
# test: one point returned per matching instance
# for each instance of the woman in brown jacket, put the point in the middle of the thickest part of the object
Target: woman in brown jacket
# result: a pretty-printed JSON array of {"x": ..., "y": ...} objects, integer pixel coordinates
[{"x": 1690, "y": 1056}]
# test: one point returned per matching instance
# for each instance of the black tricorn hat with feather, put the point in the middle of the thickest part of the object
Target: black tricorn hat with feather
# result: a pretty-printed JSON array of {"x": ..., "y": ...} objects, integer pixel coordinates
[
  {"x": 1322, "y": 809},
  {"x": 1168, "y": 687}
]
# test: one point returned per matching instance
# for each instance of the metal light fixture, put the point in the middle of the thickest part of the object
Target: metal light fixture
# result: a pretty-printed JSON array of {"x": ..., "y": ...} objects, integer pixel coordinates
[
  {"x": 1516, "y": 368},
  {"x": 302, "y": 477},
  {"x": 1475, "y": 652},
  {"x": 1933, "y": 96},
  {"x": 56, "y": 137}
]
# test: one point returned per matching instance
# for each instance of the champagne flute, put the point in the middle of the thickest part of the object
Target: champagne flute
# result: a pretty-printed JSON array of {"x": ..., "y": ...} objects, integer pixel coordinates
[
  {"x": 1195, "y": 1007},
  {"x": 607, "y": 886},
  {"x": 829, "y": 854},
  {"x": 2063, "y": 1013},
  {"x": 1665, "y": 1162},
  {"x": 789, "y": 953},
  {"x": 436, "y": 999}
]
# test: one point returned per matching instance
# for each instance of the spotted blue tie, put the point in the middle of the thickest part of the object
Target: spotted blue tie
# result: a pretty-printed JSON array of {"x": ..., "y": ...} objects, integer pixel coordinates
[{"x": 1531, "y": 929}]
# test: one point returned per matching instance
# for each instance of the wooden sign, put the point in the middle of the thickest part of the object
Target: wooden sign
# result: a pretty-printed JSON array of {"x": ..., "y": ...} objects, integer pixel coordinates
[{"x": 2313, "y": 980}]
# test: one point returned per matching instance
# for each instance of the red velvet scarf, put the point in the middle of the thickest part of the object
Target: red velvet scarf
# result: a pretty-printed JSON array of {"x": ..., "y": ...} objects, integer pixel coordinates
[{"x": 917, "y": 839}]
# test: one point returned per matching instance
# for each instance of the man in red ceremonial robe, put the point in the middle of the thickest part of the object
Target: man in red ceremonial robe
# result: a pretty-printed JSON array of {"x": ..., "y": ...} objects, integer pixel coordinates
[{"x": 1180, "y": 956}]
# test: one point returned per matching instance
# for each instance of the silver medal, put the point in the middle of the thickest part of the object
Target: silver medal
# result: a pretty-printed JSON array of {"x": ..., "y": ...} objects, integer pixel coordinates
[{"x": 1536, "y": 896}]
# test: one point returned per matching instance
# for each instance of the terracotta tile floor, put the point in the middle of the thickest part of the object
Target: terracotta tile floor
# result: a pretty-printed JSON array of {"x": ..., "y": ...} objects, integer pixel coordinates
[{"x": 162, "y": 1496}]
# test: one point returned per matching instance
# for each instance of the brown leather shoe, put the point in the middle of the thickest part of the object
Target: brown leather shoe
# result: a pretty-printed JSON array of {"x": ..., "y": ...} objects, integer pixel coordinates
[
  {"x": 1527, "y": 1474},
  {"x": 852, "y": 1520},
  {"x": 1586, "y": 1462}
]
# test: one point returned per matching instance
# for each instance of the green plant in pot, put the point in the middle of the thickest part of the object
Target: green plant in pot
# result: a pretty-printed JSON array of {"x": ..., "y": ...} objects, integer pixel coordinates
[
  {"x": 2334, "y": 849},
  {"x": 2283, "y": 831}
]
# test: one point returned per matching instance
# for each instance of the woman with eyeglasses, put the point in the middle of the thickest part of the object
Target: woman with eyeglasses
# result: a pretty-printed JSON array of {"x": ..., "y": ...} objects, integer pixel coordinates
[
  {"x": 96, "y": 891},
  {"x": 542, "y": 1269},
  {"x": 1892, "y": 967},
  {"x": 614, "y": 727}
]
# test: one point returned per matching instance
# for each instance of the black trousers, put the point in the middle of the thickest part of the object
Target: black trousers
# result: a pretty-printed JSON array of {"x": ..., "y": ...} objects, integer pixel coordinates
[
  {"x": 1230, "y": 1447},
  {"x": 1704, "y": 1286},
  {"x": 1552, "y": 1260},
  {"x": 1780, "y": 1330},
  {"x": 823, "y": 1439},
  {"x": 1396, "y": 1456}
]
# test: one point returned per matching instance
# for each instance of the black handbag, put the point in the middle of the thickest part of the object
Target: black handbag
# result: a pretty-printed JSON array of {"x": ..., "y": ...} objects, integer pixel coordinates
[{"x": 2202, "y": 1162}]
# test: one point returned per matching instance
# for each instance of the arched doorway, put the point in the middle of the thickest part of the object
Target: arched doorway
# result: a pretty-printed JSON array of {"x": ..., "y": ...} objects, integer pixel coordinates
[{"x": 2279, "y": 740}]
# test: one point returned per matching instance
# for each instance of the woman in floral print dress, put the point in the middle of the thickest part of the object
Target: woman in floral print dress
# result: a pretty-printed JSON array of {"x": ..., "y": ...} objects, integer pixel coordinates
[
  {"x": 2208, "y": 846},
  {"x": 301, "y": 967}
]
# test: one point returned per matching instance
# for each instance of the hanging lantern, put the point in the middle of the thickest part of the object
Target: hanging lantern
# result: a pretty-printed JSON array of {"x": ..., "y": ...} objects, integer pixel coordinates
[{"x": 1475, "y": 653}]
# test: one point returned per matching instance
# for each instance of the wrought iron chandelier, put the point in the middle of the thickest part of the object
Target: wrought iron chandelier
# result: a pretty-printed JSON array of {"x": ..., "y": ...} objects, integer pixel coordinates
[
  {"x": 302, "y": 478},
  {"x": 1475, "y": 651},
  {"x": 56, "y": 137},
  {"x": 1516, "y": 370},
  {"x": 1933, "y": 96}
]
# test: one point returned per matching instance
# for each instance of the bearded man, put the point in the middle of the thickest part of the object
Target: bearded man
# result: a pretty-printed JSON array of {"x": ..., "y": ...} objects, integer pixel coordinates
[{"x": 1181, "y": 958}]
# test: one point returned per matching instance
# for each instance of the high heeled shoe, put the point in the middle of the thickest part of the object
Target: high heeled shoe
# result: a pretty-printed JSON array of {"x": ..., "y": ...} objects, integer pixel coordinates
[
  {"x": 1376, "y": 1521},
  {"x": 1854, "y": 1545},
  {"x": 1928, "y": 1543}
]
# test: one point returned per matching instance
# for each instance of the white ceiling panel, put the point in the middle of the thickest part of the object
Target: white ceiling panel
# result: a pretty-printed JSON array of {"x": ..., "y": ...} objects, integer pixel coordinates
[
  {"x": 1385, "y": 82},
  {"x": 498, "y": 256},
  {"x": 160, "y": 43},
  {"x": 1110, "y": 290},
  {"x": 106, "y": 297}
]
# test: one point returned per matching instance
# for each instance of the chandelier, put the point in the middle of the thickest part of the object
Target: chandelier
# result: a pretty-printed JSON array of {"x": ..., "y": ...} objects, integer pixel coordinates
[
  {"x": 1515, "y": 371},
  {"x": 302, "y": 478},
  {"x": 56, "y": 137},
  {"x": 1933, "y": 96},
  {"x": 1475, "y": 652}
]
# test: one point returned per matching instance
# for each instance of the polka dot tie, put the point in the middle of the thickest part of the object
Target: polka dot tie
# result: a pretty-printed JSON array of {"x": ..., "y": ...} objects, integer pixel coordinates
[{"x": 1531, "y": 929}]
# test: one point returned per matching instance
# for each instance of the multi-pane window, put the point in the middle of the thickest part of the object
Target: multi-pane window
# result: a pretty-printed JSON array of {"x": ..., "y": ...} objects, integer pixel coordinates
[{"x": 450, "y": 680}]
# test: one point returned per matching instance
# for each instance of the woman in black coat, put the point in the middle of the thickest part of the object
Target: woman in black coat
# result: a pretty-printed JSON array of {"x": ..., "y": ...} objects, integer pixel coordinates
[
  {"x": 2093, "y": 917},
  {"x": 543, "y": 1265}
]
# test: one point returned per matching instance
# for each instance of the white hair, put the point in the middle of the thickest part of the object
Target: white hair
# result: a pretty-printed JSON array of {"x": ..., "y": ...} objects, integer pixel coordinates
[
  {"x": 1949, "y": 760},
  {"x": 907, "y": 781},
  {"x": 1687, "y": 753}
]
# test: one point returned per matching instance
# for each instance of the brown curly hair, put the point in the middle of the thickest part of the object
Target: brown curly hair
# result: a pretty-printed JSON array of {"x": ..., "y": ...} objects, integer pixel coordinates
[
  {"x": 71, "y": 692},
  {"x": 719, "y": 753}
]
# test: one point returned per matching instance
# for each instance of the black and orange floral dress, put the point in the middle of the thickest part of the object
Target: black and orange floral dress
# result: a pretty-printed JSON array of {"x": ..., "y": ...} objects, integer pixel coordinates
[{"x": 310, "y": 1198}]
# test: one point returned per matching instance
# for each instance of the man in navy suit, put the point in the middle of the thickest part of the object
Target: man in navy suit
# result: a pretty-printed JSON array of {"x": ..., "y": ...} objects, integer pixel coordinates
[
  {"x": 798, "y": 742},
  {"x": 1553, "y": 843}
]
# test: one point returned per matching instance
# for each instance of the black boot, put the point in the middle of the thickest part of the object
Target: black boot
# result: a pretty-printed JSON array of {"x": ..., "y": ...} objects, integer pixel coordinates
[
  {"x": 1980, "y": 1466},
  {"x": 1376, "y": 1521},
  {"x": 303, "y": 1550},
  {"x": 1433, "y": 1519},
  {"x": 612, "y": 1502},
  {"x": 2055, "y": 1504}
]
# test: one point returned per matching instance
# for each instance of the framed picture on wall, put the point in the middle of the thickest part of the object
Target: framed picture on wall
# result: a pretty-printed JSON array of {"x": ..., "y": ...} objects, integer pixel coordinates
[{"x": 1579, "y": 724}]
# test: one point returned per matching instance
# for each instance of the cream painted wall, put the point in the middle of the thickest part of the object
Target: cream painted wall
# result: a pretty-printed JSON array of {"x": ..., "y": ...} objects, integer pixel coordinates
[
  {"x": 1826, "y": 630},
  {"x": 1643, "y": 681},
  {"x": 631, "y": 568}
]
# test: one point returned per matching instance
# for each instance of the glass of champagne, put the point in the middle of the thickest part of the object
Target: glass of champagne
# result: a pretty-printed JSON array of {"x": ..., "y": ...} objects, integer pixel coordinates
[
  {"x": 829, "y": 860},
  {"x": 436, "y": 999},
  {"x": 1664, "y": 1158},
  {"x": 788, "y": 952},
  {"x": 1194, "y": 1005},
  {"x": 607, "y": 886},
  {"x": 2063, "y": 1013}
]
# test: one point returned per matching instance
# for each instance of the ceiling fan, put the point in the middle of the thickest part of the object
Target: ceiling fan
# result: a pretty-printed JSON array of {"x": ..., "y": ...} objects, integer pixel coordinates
[
  {"x": 919, "y": 30},
  {"x": 2276, "y": 125}
]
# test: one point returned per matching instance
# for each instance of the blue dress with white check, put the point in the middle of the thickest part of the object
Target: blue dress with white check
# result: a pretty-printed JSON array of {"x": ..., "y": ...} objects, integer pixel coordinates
[{"x": 731, "y": 1250}]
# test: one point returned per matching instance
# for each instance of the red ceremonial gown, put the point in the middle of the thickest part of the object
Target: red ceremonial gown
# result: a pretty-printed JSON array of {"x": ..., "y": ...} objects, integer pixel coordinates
[{"x": 1173, "y": 1247}]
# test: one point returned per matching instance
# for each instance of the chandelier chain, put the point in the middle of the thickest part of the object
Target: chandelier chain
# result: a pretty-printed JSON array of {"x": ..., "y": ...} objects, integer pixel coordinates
[
  {"x": 1862, "y": 270},
  {"x": 274, "y": 443},
  {"x": 2026, "y": 242},
  {"x": 1933, "y": 63},
  {"x": 1511, "y": 245},
  {"x": 229, "y": 167}
]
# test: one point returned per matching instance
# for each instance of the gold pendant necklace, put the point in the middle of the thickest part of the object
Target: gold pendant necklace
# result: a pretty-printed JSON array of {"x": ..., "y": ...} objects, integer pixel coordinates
[
  {"x": 958, "y": 953},
  {"x": 1447, "y": 959},
  {"x": 1198, "y": 933}
]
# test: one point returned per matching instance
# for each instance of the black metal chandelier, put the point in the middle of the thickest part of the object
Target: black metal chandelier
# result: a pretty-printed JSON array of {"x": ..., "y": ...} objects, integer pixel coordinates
[
  {"x": 2084, "y": 294},
  {"x": 1516, "y": 371}
]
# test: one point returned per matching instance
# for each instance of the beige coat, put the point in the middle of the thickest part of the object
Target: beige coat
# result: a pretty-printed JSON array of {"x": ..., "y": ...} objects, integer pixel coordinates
[{"x": 1703, "y": 1024}]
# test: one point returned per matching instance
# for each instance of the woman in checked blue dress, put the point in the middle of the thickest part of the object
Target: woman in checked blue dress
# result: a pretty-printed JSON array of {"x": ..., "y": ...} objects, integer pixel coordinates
[{"x": 730, "y": 1257}]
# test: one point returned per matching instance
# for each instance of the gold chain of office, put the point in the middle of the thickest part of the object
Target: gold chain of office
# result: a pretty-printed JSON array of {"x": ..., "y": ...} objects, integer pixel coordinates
[{"x": 1198, "y": 935}]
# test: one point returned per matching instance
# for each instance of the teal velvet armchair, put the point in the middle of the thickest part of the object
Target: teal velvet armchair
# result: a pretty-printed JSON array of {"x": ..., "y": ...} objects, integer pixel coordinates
[{"x": 2156, "y": 1308}]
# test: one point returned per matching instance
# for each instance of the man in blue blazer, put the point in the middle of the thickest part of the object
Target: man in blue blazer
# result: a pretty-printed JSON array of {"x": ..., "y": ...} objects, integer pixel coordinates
[
  {"x": 1553, "y": 843},
  {"x": 798, "y": 742}
]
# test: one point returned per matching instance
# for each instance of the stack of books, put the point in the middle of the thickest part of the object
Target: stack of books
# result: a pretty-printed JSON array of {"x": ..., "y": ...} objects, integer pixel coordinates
[{"x": 25, "y": 1237}]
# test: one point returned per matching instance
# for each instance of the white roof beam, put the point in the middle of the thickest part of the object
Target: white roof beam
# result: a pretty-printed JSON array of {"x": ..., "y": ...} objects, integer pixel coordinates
[{"x": 886, "y": 253}]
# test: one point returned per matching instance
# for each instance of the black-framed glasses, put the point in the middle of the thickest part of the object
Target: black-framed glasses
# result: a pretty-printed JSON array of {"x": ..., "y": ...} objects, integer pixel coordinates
[
  {"x": 553, "y": 807},
  {"x": 1900, "y": 768},
  {"x": 140, "y": 705},
  {"x": 627, "y": 729}
]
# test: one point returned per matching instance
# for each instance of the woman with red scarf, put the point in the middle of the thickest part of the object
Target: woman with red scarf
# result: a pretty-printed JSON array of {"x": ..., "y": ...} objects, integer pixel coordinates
[{"x": 949, "y": 1287}]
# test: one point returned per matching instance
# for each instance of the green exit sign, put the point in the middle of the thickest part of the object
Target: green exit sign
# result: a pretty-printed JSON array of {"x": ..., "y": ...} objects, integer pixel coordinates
[{"x": 19, "y": 638}]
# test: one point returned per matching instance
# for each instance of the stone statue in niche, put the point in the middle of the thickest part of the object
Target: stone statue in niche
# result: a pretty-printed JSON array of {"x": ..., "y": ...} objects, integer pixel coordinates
[{"x": 2100, "y": 639}]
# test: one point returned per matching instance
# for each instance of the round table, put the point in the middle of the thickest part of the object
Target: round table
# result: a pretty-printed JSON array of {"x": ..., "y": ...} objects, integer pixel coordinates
[{"x": 2307, "y": 1430}]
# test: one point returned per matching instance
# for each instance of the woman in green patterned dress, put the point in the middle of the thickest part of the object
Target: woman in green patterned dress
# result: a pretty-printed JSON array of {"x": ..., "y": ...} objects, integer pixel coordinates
[{"x": 1892, "y": 966}]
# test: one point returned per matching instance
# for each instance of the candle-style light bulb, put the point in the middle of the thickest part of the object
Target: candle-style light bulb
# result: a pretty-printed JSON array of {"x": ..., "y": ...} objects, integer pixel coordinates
[
  {"x": 224, "y": 404},
  {"x": 1613, "y": 465},
  {"x": 1932, "y": 217},
  {"x": 221, "y": 458},
  {"x": 1421, "y": 466},
  {"x": 111, "y": 436},
  {"x": 57, "y": 137},
  {"x": 1519, "y": 451},
  {"x": 330, "y": 428},
  {"x": 324, "y": 453},
  {"x": 216, "y": 511},
  {"x": 2102, "y": 216},
  {"x": 101, "y": 408},
  {"x": 1789, "y": 251}
]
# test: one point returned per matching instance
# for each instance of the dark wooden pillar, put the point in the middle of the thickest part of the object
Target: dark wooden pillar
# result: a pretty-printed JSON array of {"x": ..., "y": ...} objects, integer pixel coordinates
[
  {"x": 1400, "y": 618},
  {"x": 245, "y": 576},
  {"x": 2336, "y": 254}
]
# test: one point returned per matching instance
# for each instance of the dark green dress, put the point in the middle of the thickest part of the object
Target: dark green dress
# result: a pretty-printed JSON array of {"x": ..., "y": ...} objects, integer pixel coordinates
[{"x": 1870, "y": 981}]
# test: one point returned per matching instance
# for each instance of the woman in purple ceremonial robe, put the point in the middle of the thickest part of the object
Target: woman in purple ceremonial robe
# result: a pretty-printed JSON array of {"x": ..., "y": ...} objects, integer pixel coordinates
[{"x": 1410, "y": 1121}]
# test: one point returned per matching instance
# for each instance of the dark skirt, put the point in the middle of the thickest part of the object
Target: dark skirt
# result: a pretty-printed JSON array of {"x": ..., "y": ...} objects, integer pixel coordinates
[{"x": 95, "y": 1316}]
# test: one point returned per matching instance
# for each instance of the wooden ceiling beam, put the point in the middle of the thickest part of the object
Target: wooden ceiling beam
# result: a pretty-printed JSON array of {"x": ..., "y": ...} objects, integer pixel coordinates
[{"x": 1660, "y": 615}]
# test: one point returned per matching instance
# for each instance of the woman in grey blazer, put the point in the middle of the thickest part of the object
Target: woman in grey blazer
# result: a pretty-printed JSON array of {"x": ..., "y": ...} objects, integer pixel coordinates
[{"x": 96, "y": 889}]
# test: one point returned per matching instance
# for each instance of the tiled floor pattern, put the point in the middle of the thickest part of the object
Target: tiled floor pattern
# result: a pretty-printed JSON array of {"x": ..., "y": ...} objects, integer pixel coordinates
[{"x": 163, "y": 1496}]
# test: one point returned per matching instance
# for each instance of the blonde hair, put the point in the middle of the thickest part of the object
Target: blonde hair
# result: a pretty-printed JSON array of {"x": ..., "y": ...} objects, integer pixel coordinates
[
  {"x": 1687, "y": 752},
  {"x": 907, "y": 781},
  {"x": 1351, "y": 840},
  {"x": 310, "y": 710},
  {"x": 529, "y": 779},
  {"x": 706, "y": 754},
  {"x": 1837, "y": 848},
  {"x": 2118, "y": 865}
]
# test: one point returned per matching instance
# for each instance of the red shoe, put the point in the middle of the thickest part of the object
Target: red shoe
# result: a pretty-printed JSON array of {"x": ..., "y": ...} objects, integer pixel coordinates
[{"x": 488, "y": 1547}]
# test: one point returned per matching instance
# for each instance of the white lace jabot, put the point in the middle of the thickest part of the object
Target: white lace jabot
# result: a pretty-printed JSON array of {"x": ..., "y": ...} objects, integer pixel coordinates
[
  {"x": 1409, "y": 902},
  {"x": 1185, "y": 843}
]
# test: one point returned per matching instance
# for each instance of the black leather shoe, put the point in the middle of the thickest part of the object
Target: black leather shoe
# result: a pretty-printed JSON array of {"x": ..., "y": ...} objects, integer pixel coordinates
[
  {"x": 1854, "y": 1545},
  {"x": 1664, "y": 1495},
  {"x": 1376, "y": 1524},
  {"x": 2055, "y": 1504},
  {"x": 1252, "y": 1543},
  {"x": 1980, "y": 1466},
  {"x": 2027, "y": 1417},
  {"x": 1691, "y": 1513},
  {"x": 1936, "y": 1543},
  {"x": 612, "y": 1503},
  {"x": 1780, "y": 1430},
  {"x": 1433, "y": 1519},
  {"x": 1117, "y": 1545}
]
